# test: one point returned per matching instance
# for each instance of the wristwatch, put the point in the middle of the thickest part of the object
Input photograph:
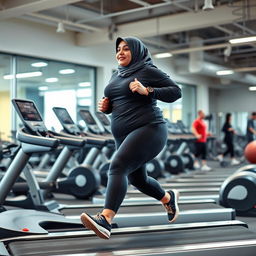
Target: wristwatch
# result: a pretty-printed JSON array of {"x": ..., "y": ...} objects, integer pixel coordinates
[{"x": 150, "y": 89}]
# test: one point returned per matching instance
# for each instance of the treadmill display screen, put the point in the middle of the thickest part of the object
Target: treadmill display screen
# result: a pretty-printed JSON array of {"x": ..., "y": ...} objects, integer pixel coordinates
[
  {"x": 63, "y": 115},
  {"x": 104, "y": 120},
  {"x": 87, "y": 117},
  {"x": 28, "y": 111}
]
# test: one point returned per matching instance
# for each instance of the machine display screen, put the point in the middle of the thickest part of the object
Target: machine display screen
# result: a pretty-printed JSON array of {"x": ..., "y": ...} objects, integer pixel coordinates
[
  {"x": 63, "y": 115},
  {"x": 103, "y": 118},
  {"x": 87, "y": 117},
  {"x": 29, "y": 111}
]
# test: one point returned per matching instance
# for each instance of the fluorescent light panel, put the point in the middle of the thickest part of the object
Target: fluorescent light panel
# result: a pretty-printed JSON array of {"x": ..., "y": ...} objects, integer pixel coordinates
[
  {"x": 252, "y": 88},
  {"x": 39, "y": 64},
  {"x": 43, "y": 88},
  {"x": 24, "y": 75},
  {"x": 163, "y": 55},
  {"x": 51, "y": 80},
  {"x": 84, "y": 84},
  {"x": 243, "y": 40},
  {"x": 67, "y": 71},
  {"x": 225, "y": 72}
]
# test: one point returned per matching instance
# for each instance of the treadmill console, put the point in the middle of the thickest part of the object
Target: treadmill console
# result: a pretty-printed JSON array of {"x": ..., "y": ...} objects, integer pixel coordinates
[
  {"x": 90, "y": 121},
  {"x": 66, "y": 121},
  {"x": 104, "y": 121},
  {"x": 29, "y": 115}
]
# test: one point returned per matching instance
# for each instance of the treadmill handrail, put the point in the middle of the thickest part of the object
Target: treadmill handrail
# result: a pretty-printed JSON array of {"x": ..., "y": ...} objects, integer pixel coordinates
[{"x": 25, "y": 137}]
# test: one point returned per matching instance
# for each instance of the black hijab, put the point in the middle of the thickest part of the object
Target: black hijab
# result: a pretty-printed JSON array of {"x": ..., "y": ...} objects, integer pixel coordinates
[{"x": 141, "y": 57}]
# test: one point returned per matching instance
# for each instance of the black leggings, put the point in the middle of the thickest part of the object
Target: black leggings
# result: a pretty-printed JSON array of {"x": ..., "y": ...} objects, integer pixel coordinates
[
  {"x": 133, "y": 152},
  {"x": 230, "y": 148}
]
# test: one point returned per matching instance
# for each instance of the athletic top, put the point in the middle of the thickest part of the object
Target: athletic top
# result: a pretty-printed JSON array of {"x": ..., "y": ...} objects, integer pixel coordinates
[
  {"x": 133, "y": 110},
  {"x": 228, "y": 134},
  {"x": 201, "y": 129},
  {"x": 249, "y": 134}
]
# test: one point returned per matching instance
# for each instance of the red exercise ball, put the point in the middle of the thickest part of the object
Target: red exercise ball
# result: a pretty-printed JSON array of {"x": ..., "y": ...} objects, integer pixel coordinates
[{"x": 250, "y": 152}]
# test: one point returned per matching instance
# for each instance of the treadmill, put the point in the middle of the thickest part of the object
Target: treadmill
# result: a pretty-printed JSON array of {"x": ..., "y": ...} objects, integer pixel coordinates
[{"x": 30, "y": 232}]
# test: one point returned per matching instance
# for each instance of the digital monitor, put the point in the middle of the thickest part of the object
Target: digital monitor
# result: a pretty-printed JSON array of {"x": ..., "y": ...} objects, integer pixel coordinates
[
  {"x": 28, "y": 111},
  {"x": 103, "y": 119},
  {"x": 87, "y": 117},
  {"x": 29, "y": 115},
  {"x": 63, "y": 115}
]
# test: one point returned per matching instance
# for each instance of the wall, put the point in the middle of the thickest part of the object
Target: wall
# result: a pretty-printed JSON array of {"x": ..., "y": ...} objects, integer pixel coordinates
[{"x": 235, "y": 100}]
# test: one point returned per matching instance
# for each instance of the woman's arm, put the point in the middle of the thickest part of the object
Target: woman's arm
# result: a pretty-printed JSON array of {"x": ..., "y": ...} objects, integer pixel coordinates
[{"x": 164, "y": 88}]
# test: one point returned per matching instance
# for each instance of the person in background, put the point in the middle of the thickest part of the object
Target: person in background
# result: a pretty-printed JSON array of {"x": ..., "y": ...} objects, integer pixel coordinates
[
  {"x": 229, "y": 132},
  {"x": 139, "y": 130},
  {"x": 199, "y": 129},
  {"x": 251, "y": 128}
]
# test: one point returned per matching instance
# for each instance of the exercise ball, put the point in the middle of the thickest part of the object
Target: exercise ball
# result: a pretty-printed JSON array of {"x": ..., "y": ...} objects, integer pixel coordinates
[{"x": 250, "y": 152}]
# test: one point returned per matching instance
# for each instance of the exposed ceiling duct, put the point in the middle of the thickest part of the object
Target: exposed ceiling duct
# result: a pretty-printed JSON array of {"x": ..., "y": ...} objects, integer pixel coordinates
[{"x": 210, "y": 69}]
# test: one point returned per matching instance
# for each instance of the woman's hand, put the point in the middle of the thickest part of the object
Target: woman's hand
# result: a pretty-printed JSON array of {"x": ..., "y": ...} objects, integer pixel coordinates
[
  {"x": 104, "y": 104},
  {"x": 136, "y": 86}
]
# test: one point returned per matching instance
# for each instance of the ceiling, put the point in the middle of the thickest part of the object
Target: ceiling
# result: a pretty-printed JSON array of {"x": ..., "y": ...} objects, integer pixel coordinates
[{"x": 181, "y": 27}]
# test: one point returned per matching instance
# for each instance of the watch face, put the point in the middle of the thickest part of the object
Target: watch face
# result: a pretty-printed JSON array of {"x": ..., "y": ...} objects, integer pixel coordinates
[{"x": 150, "y": 89}]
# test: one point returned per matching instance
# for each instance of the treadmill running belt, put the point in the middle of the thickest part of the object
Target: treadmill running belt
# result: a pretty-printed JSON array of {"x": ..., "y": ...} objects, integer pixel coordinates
[{"x": 93, "y": 244}]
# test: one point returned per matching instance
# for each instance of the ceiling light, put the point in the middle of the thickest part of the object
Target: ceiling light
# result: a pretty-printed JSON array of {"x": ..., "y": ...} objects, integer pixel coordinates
[
  {"x": 163, "y": 55},
  {"x": 84, "y": 84},
  {"x": 66, "y": 71},
  {"x": 252, "y": 88},
  {"x": 225, "y": 72},
  {"x": 39, "y": 64},
  {"x": 51, "y": 80},
  {"x": 60, "y": 28},
  {"x": 208, "y": 6},
  {"x": 243, "y": 40},
  {"x": 24, "y": 75},
  {"x": 43, "y": 88}
]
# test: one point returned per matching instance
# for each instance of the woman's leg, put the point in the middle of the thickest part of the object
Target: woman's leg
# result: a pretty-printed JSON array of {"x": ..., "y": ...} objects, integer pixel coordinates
[
  {"x": 139, "y": 147},
  {"x": 228, "y": 149}
]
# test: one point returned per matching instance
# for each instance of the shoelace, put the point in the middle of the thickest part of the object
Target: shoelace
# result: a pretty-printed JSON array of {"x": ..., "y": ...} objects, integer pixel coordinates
[
  {"x": 99, "y": 217},
  {"x": 169, "y": 208}
]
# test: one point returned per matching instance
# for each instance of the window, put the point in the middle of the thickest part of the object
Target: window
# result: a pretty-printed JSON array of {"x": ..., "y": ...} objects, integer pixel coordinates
[
  {"x": 5, "y": 110},
  {"x": 49, "y": 84},
  {"x": 184, "y": 108}
]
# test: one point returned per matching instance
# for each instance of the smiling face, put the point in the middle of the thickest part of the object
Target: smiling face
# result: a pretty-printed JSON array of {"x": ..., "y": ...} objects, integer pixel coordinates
[{"x": 123, "y": 54}]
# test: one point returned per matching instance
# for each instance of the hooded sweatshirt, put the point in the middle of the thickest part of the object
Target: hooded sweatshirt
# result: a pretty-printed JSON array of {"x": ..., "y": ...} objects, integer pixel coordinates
[{"x": 133, "y": 110}]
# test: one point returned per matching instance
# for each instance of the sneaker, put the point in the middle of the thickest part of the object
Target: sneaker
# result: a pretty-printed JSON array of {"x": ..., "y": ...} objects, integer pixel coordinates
[
  {"x": 234, "y": 162},
  {"x": 220, "y": 158},
  {"x": 172, "y": 207},
  {"x": 196, "y": 165},
  {"x": 98, "y": 224},
  {"x": 206, "y": 168}
]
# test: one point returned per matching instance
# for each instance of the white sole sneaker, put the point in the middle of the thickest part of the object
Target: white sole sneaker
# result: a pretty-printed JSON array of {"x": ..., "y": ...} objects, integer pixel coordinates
[{"x": 89, "y": 223}]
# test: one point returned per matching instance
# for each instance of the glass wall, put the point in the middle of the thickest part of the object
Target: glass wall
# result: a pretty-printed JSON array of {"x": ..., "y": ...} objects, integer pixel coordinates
[
  {"x": 5, "y": 110},
  {"x": 184, "y": 108},
  {"x": 49, "y": 84}
]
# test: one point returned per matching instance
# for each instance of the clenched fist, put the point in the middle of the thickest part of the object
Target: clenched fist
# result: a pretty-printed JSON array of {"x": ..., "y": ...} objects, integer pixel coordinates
[
  {"x": 137, "y": 86},
  {"x": 104, "y": 104}
]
